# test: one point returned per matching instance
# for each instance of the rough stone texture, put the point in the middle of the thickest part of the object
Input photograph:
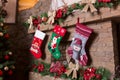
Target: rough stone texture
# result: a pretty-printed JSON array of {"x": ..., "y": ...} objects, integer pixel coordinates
[{"x": 99, "y": 47}]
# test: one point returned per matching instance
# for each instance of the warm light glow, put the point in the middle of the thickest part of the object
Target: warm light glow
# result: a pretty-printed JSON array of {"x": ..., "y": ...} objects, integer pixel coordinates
[{"x": 26, "y": 4}]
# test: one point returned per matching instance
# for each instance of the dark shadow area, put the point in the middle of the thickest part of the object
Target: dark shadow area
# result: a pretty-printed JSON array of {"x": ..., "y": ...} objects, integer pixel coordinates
[
  {"x": 116, "y": 43},
  {"x": 44, "y": 43},
  {"x": 118, "y": 39},
  {"x": 20, "y": 43},
  {"x": 88, "y": 45}
]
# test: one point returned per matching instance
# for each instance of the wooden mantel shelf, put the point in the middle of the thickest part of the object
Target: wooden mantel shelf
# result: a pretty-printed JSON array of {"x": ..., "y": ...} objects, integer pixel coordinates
[{"x": 104, "y": 13}]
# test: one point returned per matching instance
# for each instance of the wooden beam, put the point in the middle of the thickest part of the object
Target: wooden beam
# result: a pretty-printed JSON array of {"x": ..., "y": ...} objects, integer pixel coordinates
[{"x": 105, "y": 13}]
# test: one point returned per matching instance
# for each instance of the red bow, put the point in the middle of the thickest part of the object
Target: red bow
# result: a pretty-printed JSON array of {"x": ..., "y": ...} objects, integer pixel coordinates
[{"x": 57, "y": 68}]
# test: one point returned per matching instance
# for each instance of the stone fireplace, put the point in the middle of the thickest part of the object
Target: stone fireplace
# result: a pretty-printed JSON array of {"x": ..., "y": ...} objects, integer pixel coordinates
[{"x": 103, "y": 45}]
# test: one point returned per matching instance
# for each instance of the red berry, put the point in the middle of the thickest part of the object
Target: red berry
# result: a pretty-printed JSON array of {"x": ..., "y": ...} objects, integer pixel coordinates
[
  {"x": 35, "y": 22},
  {"x": 40, "y": 67},
  {"x": 34, "y": 66},
  {"x": 104, "y": 1},
  {"x": 109, "y": 0},
  {"x": 44, "y": 19},
  {"x": 10, "y": 72},
  {"x": 99, "y": 0},
  {"x": 98, "y": 76},
  {"x": 73, "y": 6},
  {"x": 6, "y": 36},
  {"x": 6, "y": 57},
  {"x": 1, "y": 73}
]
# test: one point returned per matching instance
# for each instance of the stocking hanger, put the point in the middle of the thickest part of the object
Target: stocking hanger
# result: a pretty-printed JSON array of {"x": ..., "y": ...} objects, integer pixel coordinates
[{"x": 78, "y": 20}]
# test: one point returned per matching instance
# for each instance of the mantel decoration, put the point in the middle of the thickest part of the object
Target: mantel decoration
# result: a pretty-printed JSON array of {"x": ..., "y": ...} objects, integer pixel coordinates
[
  {"x": 59, "y": 11},
  {"x": 57, "y": 16},
  {"x": 58, "y": 70},
  {"x": 6, "y": 61}
]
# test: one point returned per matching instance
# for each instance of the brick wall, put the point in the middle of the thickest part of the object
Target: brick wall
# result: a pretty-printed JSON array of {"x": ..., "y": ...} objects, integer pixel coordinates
[{"x": 101, "y": 49}]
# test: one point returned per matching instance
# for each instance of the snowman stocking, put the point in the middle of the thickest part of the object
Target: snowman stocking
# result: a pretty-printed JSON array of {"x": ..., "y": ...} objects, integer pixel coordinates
[
  {"x": 75, "y": 48},
  {"x": 57, "y": 35},
  {"x": 36, "y": 44},
  {"x": 83, "y": 32}
]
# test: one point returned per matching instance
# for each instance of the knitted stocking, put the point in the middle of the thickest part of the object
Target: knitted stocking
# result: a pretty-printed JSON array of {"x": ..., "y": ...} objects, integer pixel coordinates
[{"x": 83, "y": 32}]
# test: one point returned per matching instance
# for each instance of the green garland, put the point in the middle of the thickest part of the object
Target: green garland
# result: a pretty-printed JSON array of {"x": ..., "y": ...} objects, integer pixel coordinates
[
  {"x": 70, "y": 9},
  {"x": 105, "y": 74}
]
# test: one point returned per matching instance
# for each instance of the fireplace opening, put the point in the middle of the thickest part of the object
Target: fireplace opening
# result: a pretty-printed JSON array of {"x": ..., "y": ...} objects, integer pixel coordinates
[
  {"x": 116, "y": 43},
  {"x": 118, "y": 36}
]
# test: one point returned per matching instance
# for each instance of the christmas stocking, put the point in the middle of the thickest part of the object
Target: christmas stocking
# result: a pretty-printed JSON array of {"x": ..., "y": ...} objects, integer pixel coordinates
[
  {"x": 57, "y": 35},
  {"x": 83, "y": 33},
  {"x": 36, "y": 44}
]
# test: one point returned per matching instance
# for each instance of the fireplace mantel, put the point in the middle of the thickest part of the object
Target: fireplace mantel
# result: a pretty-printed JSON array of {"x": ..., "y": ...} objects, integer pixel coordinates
[{"x": 105, "y": 13}]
